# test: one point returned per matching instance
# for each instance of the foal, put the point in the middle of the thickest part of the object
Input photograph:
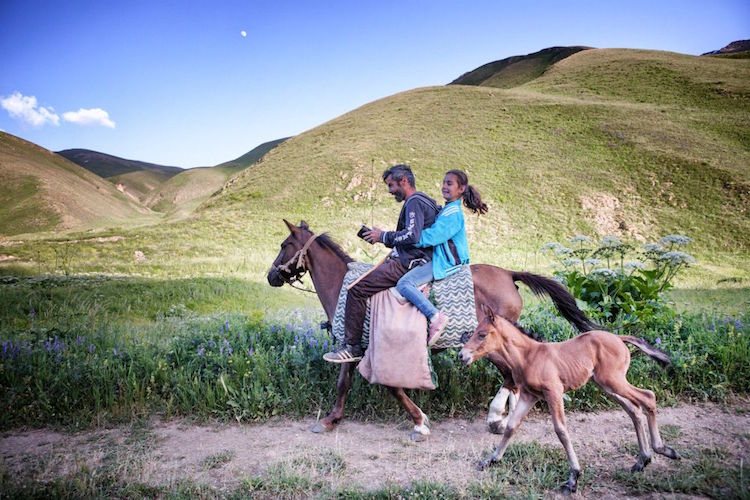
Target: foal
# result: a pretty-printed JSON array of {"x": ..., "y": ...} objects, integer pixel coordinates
[{"x": 547, "y": 370}]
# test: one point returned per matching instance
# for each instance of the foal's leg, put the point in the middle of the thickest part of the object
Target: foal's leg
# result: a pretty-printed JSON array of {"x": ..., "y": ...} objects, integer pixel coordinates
[
  {"x": 619, "y": 392},
  {"x": 557, "y": 411},
  {"x": 647, "y": 402},
  {"x": 421, "y": 422},
  {"x": 342, "y": 389},
  {"x": 525, "y": 402}
]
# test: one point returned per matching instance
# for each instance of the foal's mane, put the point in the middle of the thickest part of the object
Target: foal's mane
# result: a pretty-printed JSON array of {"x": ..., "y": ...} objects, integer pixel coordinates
[
  {"x": 325, "y": 240},
  {"x": 533, "y": 335}
]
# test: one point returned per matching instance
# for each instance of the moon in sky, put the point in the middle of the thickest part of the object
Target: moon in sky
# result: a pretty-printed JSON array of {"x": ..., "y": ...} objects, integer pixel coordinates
[{"x": 243, "y": 33}]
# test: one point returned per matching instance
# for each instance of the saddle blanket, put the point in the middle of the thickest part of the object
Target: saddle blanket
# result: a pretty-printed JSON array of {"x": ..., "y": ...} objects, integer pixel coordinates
[{"x": 453, "y": 295}]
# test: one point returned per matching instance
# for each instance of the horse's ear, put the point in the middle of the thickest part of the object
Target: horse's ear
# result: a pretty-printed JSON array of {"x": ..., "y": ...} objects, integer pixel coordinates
[
  {"x": 291, "y": 226},
  {"x": 304, "y": 225}
]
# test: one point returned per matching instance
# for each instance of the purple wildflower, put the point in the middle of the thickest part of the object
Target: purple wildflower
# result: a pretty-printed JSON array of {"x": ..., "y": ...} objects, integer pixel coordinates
[
  {"x": 92, "y": 348},
  {"x": 658, "y": 341},
  {"x": 114, "y": 351},
  {"x": 226, "y": 326},
  {"x": 250, "y": 351},
  {"x": 228, "y": 347},
  {"x": 738, "y": 324},
  {"x": 79, "y": 340}
]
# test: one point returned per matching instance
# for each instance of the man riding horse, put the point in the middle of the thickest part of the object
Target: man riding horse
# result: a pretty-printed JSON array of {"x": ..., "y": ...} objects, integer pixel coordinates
[{"x": 419, "y": 212}]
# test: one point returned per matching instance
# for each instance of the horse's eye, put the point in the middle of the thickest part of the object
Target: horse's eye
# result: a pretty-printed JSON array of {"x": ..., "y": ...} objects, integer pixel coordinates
[{"x": 481, "y": 335}]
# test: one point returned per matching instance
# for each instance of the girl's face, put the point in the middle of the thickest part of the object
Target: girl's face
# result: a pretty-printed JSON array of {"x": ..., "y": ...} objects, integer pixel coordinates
[{"x": 452, "y": 190}]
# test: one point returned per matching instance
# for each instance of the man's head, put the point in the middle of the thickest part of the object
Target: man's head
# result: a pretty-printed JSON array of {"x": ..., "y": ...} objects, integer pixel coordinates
[{"x": 400, "y": 181}]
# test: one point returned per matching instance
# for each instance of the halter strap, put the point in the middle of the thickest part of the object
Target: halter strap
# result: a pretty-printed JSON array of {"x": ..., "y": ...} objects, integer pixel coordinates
[{"x": 300, "y": 256}]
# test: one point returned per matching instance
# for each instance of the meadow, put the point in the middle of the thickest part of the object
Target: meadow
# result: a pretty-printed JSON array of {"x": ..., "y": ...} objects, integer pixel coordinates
[{"x": 118, "y": 323}]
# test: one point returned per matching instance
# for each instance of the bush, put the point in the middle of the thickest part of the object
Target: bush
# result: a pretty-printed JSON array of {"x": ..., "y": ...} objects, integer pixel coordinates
[{"x": 619, "y": 291}]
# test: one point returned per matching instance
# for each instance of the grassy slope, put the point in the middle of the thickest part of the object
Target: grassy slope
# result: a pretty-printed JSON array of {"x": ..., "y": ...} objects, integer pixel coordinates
[
  {"x": 516, "y": 70},
  {"x": 105, "y": 165},
  {"x": 636, "y": 143},
  {"x": 42, "y": 191},
  {"x": 652, "y": 131},
  {"x": 141, "y": 183}
]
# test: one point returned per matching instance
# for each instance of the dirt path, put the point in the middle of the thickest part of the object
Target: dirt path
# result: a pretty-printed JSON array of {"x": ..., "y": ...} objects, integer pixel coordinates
[{"x": 374, "y": 454}]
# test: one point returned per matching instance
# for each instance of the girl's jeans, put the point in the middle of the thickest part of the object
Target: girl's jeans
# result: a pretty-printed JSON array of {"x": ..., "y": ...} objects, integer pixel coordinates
[{"x": 409, "y": 284}]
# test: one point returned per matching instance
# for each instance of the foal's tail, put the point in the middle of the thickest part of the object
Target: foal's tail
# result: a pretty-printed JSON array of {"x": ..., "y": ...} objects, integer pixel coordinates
[
  {"x": 658, "y": 355},
  {"x": 561, "y": 297}
]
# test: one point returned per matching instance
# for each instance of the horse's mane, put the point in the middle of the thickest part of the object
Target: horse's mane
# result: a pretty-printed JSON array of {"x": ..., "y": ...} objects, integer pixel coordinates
[{"x": 328, "y": 242}]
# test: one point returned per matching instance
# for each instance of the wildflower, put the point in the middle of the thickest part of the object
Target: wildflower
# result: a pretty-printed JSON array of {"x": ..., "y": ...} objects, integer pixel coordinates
[
  {"x": 580, "y": 238},
  {"x": 92, "y": 348},
  {"x": 634, "y": 264},
  {"x": 79, "y": 340},
  {"x": 658, "y": 341},
  {"x": 592, "y": 262},
  {"x": 114, "y": 351},
  {"x": 570, "y": 262},
  {"x": 738, "y": 324},
  {"x": 610, "y": 241},
  {"x": 201, "y": 351},
  {"x": 250, "y": 351},
  {"x": 677, "y": 258},
  {"x": 227, "y": 347},
  {"x": 676, "y": 239}
]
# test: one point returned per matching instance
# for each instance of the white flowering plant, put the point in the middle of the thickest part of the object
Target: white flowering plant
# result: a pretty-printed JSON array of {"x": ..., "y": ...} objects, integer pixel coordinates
[{"x": 617, "y": 290}]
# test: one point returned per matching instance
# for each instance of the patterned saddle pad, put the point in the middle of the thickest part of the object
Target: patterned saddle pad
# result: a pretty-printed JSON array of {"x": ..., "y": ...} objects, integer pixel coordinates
[{"x": 453, "y": 295}]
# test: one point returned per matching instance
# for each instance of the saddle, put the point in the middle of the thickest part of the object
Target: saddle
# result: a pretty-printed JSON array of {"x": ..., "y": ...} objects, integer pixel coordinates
[{"x": 454, "y": 295}]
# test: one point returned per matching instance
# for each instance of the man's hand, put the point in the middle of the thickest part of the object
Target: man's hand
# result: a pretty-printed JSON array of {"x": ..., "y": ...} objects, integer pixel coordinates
[{"x": 373, "y": 236}]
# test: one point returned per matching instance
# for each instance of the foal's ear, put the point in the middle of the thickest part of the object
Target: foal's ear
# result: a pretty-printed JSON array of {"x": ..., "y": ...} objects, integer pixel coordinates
[{"x": 488, "y": 312}]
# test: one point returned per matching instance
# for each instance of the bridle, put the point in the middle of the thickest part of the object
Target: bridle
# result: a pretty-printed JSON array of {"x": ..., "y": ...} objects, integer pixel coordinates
[{"x": 299, "y": 259}]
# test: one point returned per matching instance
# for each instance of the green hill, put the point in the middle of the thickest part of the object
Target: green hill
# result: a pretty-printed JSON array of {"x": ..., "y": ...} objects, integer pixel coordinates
[
  {"x": 608, "y": 142},
  {"x": 630, "y": 143},
  {"x": 516, "y": 70},
  {"x": 105, "y": 165},
  {"x": 251, "y": 156},
  {"x": 42, "y": 191}
]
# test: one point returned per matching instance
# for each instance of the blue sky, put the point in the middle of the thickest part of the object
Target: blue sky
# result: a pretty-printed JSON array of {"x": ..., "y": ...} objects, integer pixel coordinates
[{"x": 177, "y": 83}]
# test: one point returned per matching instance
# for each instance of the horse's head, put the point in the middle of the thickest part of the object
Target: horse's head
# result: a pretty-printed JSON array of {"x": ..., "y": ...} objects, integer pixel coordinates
[
  {"x": 290, "y": 264},
  {"x": 487, "y": 337}
]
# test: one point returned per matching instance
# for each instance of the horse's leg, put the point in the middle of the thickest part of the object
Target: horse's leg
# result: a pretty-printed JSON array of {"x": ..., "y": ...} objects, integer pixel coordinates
[
  {"x": 647, "y": 401},
  {"x": 619, "y": 392},
  {"x": 421, "y": 422},
  {"x": 497, "y": 416},
  {"x": 525, "y": 402},
  {"x": 342, "y": 389},
  {"x": 557, "y": 411}
]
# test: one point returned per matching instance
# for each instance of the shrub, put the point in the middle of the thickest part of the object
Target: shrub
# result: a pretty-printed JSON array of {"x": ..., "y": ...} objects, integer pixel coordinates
[{"x": 620, "y": 291}]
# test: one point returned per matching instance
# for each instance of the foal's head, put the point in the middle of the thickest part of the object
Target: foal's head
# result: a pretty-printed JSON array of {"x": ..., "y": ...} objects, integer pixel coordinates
[{"x": 488, "y": 337}]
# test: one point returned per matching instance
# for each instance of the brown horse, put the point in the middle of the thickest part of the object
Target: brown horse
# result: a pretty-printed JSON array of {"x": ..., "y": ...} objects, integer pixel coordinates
[
  {"x": 547, "y": 370},
  {"x": 304, "y": 251}
]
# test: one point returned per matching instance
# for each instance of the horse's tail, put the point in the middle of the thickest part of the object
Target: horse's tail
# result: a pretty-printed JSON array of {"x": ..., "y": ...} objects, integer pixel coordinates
[
  {"x": 561, "y": 297},
  {"x": 658, "y": 355}
]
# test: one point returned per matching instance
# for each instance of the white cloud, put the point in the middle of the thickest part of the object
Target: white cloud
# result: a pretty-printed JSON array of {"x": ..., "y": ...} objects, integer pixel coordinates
[
  {"x": 93, "y": 116},
  {"x": 25, "y": 108}
]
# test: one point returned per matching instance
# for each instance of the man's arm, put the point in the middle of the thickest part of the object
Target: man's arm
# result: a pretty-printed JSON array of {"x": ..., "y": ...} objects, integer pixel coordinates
[{"x": 413, "y": 230}]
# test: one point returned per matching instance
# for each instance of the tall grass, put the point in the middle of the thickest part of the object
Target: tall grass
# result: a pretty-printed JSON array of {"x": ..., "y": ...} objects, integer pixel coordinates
[{"x": 109, "y": 355}]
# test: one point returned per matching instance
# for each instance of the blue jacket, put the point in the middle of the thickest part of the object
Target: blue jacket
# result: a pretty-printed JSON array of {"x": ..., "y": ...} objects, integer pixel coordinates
[{"x": 448, "y": 226}]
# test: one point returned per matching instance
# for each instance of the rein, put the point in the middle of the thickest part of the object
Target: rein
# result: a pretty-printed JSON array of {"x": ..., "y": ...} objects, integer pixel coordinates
[{"x": 300, "y": 266}]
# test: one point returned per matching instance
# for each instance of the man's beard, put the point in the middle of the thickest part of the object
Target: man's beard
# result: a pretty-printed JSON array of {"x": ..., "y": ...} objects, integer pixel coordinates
[{"x": 399, "y": 197}]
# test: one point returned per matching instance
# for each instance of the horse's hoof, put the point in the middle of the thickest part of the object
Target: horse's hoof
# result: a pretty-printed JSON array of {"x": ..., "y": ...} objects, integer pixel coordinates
[
  {"x": 567, "y": 489},
  {"x": 640, "y": 464},
  {"x": 669, "y": 453},
  {"x": 319, "y": 428},
  {"x": 484, "y": 464},
  {"x": 418, "y": 437},
  {"x": 497, "y": 427}
]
